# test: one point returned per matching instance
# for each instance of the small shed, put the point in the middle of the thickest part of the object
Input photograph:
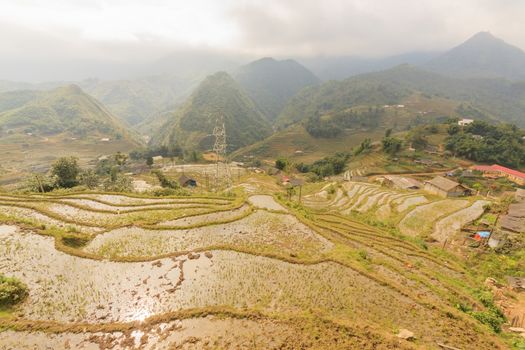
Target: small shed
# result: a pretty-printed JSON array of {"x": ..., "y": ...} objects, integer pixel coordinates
[
  {"x": 445, "y": 188},
  {"x": 186, "y": 181},
  {"x": 465, "y": 121},
  {"x": 403, "y": 183}
]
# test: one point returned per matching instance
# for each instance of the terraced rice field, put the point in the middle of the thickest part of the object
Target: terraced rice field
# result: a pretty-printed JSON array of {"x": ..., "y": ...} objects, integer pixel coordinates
[
  {"x": 413, "y": 213},
  {"x": 249, "y": 271}
]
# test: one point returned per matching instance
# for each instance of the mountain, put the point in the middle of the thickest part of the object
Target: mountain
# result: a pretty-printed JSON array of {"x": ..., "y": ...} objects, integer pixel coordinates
[
  {"x": 134, "y": 101},
  {"x": 219, "y": 95},
  {"x": 65, "y": 109},
  {"x": 344, "y": 67},
  {"x": 271, "y": 83},
  {"x": 497, "y": 99},
  {"x": 481, "y": 56}
]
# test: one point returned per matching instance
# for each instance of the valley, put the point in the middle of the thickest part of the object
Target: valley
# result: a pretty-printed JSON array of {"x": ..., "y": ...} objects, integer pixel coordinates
[{"x": 254, "y": 204}]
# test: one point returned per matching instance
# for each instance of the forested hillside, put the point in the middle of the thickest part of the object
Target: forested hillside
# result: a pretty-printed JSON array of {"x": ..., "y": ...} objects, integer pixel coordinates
[
  {"x": 218, "y": 96},
  {"x": 271, "y": 83}
]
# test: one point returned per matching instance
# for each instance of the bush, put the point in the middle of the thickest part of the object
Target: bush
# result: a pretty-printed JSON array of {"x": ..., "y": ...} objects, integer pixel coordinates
[
  {"x": 281, "y": 163},
  {"x": 89, "y": 178},
  {"x": 120, "y": 183},
  {"x": 392, "y": 145},
  {"x": 12, "y": 291},
  {"x": 39, "y": 183},
  {"x": 166, "y": 182},
  {"x": 66, "y": 171}
]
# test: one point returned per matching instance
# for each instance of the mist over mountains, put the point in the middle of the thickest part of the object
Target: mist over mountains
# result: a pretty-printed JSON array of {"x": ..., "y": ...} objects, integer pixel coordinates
[{"x": 180, "y": 107}]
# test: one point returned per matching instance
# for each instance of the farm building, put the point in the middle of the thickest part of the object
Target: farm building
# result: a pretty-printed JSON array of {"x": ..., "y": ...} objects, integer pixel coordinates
[
  {"x": 445, "y": 188},
  {"x": 403, "y": 183},
  {"x": 464, "y": 122},
  {"x": 185, "y": 181},
  {"x": 514, "y": 219},
  {"x": 492, "y": 171},
  {"x": 157, "y": 159}
]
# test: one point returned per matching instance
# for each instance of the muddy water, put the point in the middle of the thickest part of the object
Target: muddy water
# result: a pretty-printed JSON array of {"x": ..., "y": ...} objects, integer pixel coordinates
[
  {"x": 100, "y": 206},
  {"x": 265, "y": 202},
  {"x": 66, "y": 288},
  {"x": 261, "y": 230},
  {"x": 25, "y": 213},
  {"x": 195, "y": 332},
  {"x": 207, "y": 218},
  {"x": 125, "y": 200}
]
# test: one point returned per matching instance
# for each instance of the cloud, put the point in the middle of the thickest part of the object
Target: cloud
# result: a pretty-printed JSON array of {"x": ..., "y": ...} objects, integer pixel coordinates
[{"x": 37, "y": 35}]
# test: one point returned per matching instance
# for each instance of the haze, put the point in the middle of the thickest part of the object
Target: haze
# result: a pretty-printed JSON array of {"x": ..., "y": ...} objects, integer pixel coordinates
[{"x": 71, "y": 40}]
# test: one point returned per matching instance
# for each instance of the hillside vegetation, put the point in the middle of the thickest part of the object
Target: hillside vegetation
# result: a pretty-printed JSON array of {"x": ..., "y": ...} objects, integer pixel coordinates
[
  {"x": 65, "y": 109},
  {"x": 218, "y": 96},
  {"x": 271, "y": 83},
  {"x": 135, "y": 101},
  {"x": 481, "y": 56},
  {"x": 495, "y": 98}
]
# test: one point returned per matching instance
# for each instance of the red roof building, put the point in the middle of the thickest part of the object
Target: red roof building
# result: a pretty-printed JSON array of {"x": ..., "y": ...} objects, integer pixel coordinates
[{"x": 511, "y": 174}]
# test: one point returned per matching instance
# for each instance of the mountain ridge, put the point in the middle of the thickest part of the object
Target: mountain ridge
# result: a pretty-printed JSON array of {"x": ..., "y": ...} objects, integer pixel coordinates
[{"x": 218, "y": 96}]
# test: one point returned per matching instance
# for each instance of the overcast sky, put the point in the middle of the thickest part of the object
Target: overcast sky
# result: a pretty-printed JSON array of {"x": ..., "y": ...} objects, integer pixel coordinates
[{"x": 73, "y": 38}]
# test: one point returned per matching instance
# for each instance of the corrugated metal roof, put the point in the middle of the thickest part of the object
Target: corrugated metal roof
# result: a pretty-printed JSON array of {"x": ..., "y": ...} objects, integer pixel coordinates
[{"x": 443, "y": 183}]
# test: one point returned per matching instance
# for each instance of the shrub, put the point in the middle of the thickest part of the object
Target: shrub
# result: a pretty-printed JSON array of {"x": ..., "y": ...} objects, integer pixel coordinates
[
  {"x": 120, "y": 183},
  {"x": 66, "y": 170},
  {"x": 281, "y": 163},
  {"x": 166, "y": 182},
  {"x": 12, "y": 291},
  {"x": 89, "y": 178}
]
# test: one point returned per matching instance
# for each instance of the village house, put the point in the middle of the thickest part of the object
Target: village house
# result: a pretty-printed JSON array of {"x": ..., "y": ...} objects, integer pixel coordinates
[
  {"x": 186, "y": 181},
  {"x": 403, "y": 183},
  {"x": 495, "y": 171},
  {"x": 444, "y": 187},
  {"x": 464, "y": 122}
]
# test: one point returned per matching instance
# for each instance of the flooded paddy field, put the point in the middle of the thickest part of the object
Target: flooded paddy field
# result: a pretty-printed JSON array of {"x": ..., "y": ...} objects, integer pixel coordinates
[
  {"x": 261, "y": 230},
  {"x": 252, "y": 261},
  {"x": 210, "y": 332}
]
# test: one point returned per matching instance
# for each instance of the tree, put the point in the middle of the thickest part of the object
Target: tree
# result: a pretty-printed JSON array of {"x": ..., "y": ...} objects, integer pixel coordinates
[
  {"x": 364, "y": 147},
  {"x": 281, "y": 163},
  {"x": 89, "y": 178},
  {"x": 120, "y": 158},
  {"x": 66, "y": 170},
  {"x": 453, "y": 129},
  {"x": 417, "y": 139},
  {"x": 392, "y": 145}
]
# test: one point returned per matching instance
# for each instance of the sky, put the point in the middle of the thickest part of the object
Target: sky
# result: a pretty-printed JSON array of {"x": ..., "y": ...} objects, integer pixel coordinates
[{"x": 72, "y": 39}]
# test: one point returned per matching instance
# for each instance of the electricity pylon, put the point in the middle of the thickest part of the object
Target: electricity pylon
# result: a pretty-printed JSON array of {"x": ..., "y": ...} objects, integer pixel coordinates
[{"x": 219, "y": 148}]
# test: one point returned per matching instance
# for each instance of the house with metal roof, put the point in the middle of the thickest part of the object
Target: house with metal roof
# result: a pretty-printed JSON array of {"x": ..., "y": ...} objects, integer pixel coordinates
[
  {"x": 444, "y": 187},
  {"x": 501, "y": 171},
  {"x": 401, "y": 182}
]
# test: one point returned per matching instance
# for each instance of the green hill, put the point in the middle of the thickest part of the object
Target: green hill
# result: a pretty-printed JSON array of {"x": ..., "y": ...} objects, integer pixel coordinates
[
  {"x": 482, "y": 56},
  {"x": 218, "y": 95},
  {"x": 271, "y": 83},
  {"x": 495, "y": 98},
  {"x": 66, "y": 109},
  {"x": 135, "y": 101}
]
